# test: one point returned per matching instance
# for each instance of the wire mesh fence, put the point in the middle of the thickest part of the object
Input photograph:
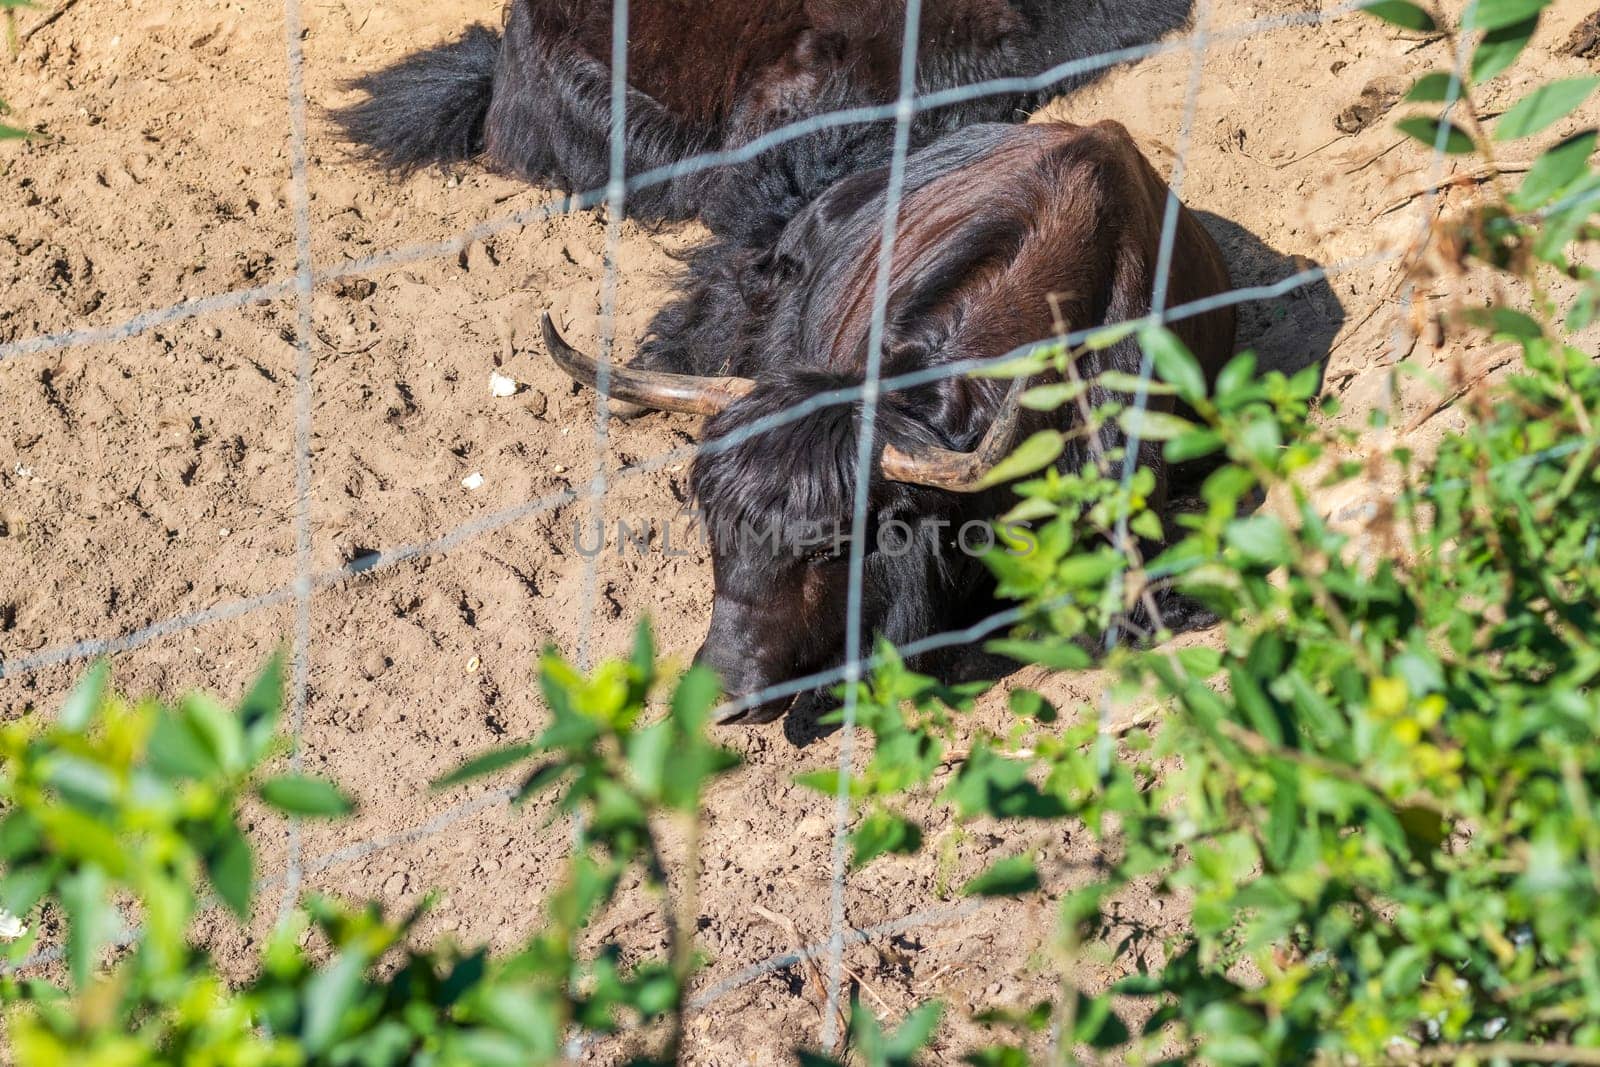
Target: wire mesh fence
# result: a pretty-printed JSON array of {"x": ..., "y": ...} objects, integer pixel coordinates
[{"x": 308, "y": 583}]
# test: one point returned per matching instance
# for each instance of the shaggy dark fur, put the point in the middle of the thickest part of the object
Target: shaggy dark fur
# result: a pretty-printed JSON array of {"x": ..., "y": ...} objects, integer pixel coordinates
[
  {"x": 995, "y": 220},
  {"x": 706, "y": 74},
  {"x": 447, "y": 92}
]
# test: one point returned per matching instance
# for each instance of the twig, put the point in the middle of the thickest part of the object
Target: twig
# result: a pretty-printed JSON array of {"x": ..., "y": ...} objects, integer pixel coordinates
[
  {"x": 61, "y": 9},
  {"x": 1351, "y": 332},
  {"x": 1419, "y": 43},
  {"x": 1494, "y": 363},
  {"x": 1370, "y": 160},
  {"x": 783, "y": 922},
  {"x": 1295, "y": 159},
  {"x": 861, "y": 983},
  {"x": 1482, "y": 173}
]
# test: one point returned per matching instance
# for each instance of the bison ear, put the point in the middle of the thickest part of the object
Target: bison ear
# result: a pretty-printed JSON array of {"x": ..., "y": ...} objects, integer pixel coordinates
[
  {"x": 902, "y": 351},
  {"x": 912, "y": 340}
]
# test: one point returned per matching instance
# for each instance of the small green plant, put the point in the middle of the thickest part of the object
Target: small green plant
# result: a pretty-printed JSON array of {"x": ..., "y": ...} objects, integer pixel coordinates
[
  {"x": 8, "y": 10},
  {"x": 622, "y": 773},
  {"x": 120, "y": 818}
]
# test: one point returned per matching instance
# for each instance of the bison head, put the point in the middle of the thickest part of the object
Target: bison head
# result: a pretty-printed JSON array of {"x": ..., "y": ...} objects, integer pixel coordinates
[{"x": 776, "y": 481}]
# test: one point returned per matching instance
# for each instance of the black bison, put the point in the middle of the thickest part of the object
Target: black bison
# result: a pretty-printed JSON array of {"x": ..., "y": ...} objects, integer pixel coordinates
[
  {"x": 996, "y": 221},
  {"x": 714, "y": 74}
]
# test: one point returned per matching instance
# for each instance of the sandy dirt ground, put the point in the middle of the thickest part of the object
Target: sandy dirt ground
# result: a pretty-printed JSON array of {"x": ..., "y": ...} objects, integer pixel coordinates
[{"x": 152, "y": 475}]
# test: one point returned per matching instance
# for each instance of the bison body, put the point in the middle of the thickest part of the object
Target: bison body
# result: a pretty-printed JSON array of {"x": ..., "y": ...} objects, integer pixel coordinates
[
  {"x": 714, "y": 74},
  {"x": 997, "y": 224}
]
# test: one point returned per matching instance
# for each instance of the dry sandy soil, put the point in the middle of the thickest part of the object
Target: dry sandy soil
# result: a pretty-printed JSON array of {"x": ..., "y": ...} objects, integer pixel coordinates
[{"x": 152, "y": 475}]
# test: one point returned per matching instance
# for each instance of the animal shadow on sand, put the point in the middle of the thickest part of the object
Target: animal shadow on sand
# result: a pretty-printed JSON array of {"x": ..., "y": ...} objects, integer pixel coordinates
[{"x": 1287, "y": 333}]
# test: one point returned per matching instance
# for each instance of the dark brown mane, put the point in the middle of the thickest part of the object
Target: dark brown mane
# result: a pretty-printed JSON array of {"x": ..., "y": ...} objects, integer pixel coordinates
[{"x": 999, "y": 227}]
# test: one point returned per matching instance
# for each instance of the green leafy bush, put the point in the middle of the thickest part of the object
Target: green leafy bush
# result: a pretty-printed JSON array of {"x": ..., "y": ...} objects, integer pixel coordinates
[
  {"x": 1375, "y": 801},
  {"x": 121, "y": 817}
]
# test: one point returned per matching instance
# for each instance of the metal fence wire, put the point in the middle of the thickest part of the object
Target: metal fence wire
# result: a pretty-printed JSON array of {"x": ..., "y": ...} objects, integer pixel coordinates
[{"x": 308, "y": 582}]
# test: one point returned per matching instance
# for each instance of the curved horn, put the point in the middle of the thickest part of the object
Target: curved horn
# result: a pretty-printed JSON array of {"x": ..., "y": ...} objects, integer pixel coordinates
[
  {"x": 960, "y": 472},
  {"x": 653, "y": 389}
]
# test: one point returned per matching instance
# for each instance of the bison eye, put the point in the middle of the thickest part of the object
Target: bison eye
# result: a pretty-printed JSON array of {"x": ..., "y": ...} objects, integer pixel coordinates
[{"x": 829, "y": 551}]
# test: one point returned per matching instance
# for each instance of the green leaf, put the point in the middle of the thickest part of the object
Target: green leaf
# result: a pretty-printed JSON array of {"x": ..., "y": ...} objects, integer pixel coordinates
[
  {"x": 496, "y": 759},
  {"x": 1262, "y": 439},
  {"x": 1147, "y": 524},
  {"x": 1555, "y": 171},
  {"x": 812, "y": 1059},
  {"x": 1548, "y": 103},
  {"x": 1057, "y": 655},
  {"x": 1129, "y": 385},
  {"x": 540, "y": 779},
  {"x": 328, "y": 999},
  {"x": 1192, "y": 445},
  {"x": 1225, "y": 487},
  {"x": 298, "y": 794},
  {"x": 1237, "y": 376},
  {"x": 231, "y": 868},
  {"x": 881, "y": 832},
  {"x": 22, "y": 888},
  {"x": 1082, "y": 572},
  {"x": 1493, "y": 14},
  {"x": 643, "y": 659},
  {"x": 1097, "y": 1025},
  {"x": 825, "y": 781},
  {"x": 991, "y": 784},
  {"x": 1031, "y": 704},
  {"x": 1200, "y": 662},
  {"x": 1005, "y": 878},
  {"x": 218, "y": 729},
  {"x": 997, "y": 1056},
  {"x": 1500, "y": 48},
  {"x": 1052, "y": 396},
  {"x": 1561, "y": 228},
  {"x": 697, "y": 693},
  {"x": 1261, "y": 538},
  {"x": 258, "y": 711},
  {"x": 1036, "y": 453},
  {"x": 176, "y": 749},
  {"x": 1107, "y": 336},
  {"x": 1508, "y": 324},
  {"x": 1403, "y": 14},
  {"x": 85, "y": 698},
  {"x": 90, "y": 919},
  {"x": 1035, "y": 1018},
  {"x": 1431, "y": 88},
  {"x": 1283, "y": 820},
  {"x": 1029, "y": 363},
  {"x": 1153, "y": 425},
  {"x": 1426, "y": 130},
  {"x": 648, "y": 752},
  {"x": 1173, "y": 362},
  {"x": 1582, "y": 311},
  {"x": 82, "y": 782},
  {"x": 913, "y": 1033}
]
